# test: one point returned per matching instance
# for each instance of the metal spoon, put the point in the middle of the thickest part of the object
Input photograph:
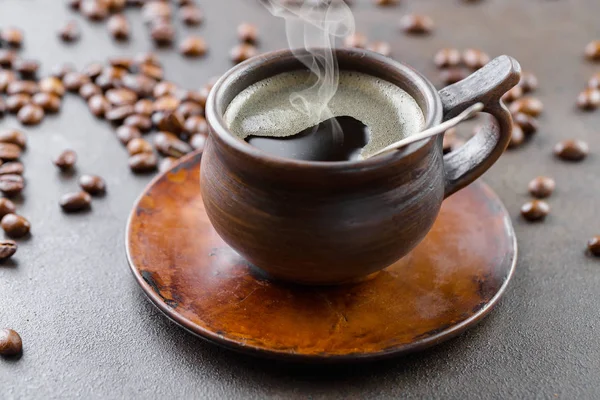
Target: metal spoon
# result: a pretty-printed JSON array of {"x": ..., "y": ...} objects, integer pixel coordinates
[{"x": 435, "y": 130}]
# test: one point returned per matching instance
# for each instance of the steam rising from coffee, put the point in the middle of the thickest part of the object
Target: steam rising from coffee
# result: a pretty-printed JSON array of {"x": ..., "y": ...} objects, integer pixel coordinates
[{"x": 314, "y": 25}]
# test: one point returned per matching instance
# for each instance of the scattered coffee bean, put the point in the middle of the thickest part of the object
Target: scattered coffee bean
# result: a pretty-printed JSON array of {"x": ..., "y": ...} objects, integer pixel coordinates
[
  {"x": 7, "y": 58},
  {"x": 196, "y": 124},
  {"x": 169, "y": 145},
  {"x": 52, "y": 85},
  {"x": 594, "y": 82},
  {"x": 98, "y": 105},
  {"x": 192, "y": 97},
  {"x": 592, "y": 50},
  {"x": 188, "y": 108},
  {"x": 88, "y": 90},
  {"x": 12, "y": 167},
  {"x": 589, "y": 99},
  {"x": 164, "y": 88},
  {"x": 527, "y": 105},
  {"x": 513, "y": 94},
  {"x": 118, "y": 27},
  {"x": 93, "y": 184},
  {"x": 143, "y": 162},
  {"x": 475, "y": 59},
  {"x": 13, "y": 136},
  {"x": 571, "y": 150},
  {"x": 166, "y": 103},
  {"x": 152, "y": 71},
  {"x": 15, "y": 225},
  {"x": 60, "y": 70},
  {"x": 380, "y": 47},
  {"x": 118, "y": 114},
  {"x": 516, "y": 138},
  {"x": 144, "y": 107},
  {"x": 13, "y": 37},
  {"x": 147, "y": 58},
  {"x": 162, "y": 33},
  {"x": 120, "y": 97},
  {"x": 193, "y": 46},
  {"x": 17, "y": 101},
  {"x": 73, "y": 81},
  {"x": 10, "y": 343},
  {"x": 31, "y": 114},
  {"x": 74, "y": 4},
  {"x": 593, "y": 246},
  {"x": 93, "y": 70},
  {"x": 49, "y": 102},
  {"x": 247, "y": 32},
  {"x": 156, "y": 11},
  {"x": 70, "y": 32},
  {"x": 27, "y": 68},
  {"x": 416, "y": 24},
  {"x": 11, "y": 184},
  {"x": 6, "y": 78},
  {"x": 73, "y": 202},
  {"x": 191, "y": 15},
  {"x": 166, "y": 163},
  {"x": 448, "y": 57},
  {"x": 126, "y": 133},
  {"x": 123, "y": 64},
  {"x": 8, "y": 248},
  {"x": 357, "y": 40},
  {"x": 141, "y": 122},
  {"x": 527, "y": 123},
  {"x": 27, "y": 87},
  {"x": 242, "y": 52},
  {"x": 116, "y": 5},
  {"x": 170, "y": 121},
  {"x": 541, "y": 187},
  {"x": 94, "y": 10},
  {"x": 138, "y": 145},
  {"x": 452, "y": 75},
  {"x": 528, "y": 82},
  {"x": 9, "y": 152},
  {"x": 535, "y": 210},
  {"x": 66, "y": 160},
  {"x": 6, "y": 207},
  {"x": 142, "y": 85},
  {"x": 198, "y": 141}
]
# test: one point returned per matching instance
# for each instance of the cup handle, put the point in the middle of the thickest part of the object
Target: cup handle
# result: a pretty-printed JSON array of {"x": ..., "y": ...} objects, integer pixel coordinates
[{"x": 487, "y": 85}]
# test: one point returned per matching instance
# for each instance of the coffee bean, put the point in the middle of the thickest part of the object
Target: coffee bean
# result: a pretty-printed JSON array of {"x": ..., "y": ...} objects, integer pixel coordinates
[
  {"x": 592, "y": 50},
  {"x": 126, "y": 133},
  {"x": 17, "y": 101},
  {"x": 385, "y": 3},
  {"x": 170, "y": 121},
  {"x": 165, "y": 88},
  {"x": 13, "y": 37},
  {"x": 135, "y": 3},
  {"x": 517, "y": 137},
  {"x": 6, "y": 207},
  {"x": 13, "y": 136},
  {"x": 589, "y": 99},
  {"x": 10, "y": 343},
  {"x": 26, "y": 68},
  {"x": 452, "y": 75},
  {"x": 182, "y": 3},
  {"x": 196, "y": 124},
  {"x": 475, "y": 59},
  {"x": 138, "y": 145},
  {"x": 120, "y": 97},
  {"x": 115, "y": 71},
  {"x": 357, "y": 40},
  {"x": 52, "y": 85},
  {"x": 147, "y": 58},
  {"x": 118, "y": 27},
  {"x": 193, "y": 97},
  {"x": 73, "y": 202},
  {"x": 74, "y": 4},
  {"x": 9, "y": 152},
  {"x": 513, "y": 94},
  {"x": 527, "y": 105},
  {"x": 162, "y": 33},
  {"x": 49, "y": 102},
  {"x": 169, "y": 145},
  {"x": 193, "y": 46},
  {"x": 11, "y": 184},
  {"x": 88, "y": 90},
  {"x": 94, "y": 10},
  {"x": 593, "y": 246},
  {"x": 116, "y": 5},
  {"x": 571, "y": 150},
  {"x": 105, "y": 82},
  {"x": 98, "y": 105},
  {"x": 8, "y": 248},
  {"x": 247, "y": 32},
  {"x": 527, "y": 123},
  {"x": 156, "y": 11},
  {"x": 93, "y": 70},
  {"x": 60, "y": 70},
  {"x": 535, "y": 210},
  {"x": 31, "y": 114},
  {"x": 73, "y": 81},
  {"x": 27, "y": 87},
  {"x": 144, "y": 107},
  {"x": 140, "y": 84},
  {"x": 92, "y": 184},
  {"x": 6, "y": 78},
  {"x": 191, "y": 15},
  {"x": 541, "y": 187},
  {"x": 188, "y": 108},
  {"x": 118, "y": 114},
  {"x": 7, "y": 58},
  {"x": 122, "y": 64},
  {"x": 198, "y": 141},
  {"x": 166, "y": 103},
  {"x": 242, "y": 52},
  {"x": 152, "y": 71},
  {"x": 416, "y": 24},
  {"x": 66, "y": 160},
  {"x": 380, "y": 47},
  {"x": 141, "y": 122},
  {"x": 143, "y": 162},
  {"x": 528, "y": 82},
  {"x": 69, "y": 32},
  {"x": 12, "y": 167},
  {"x": 166, "y": 163},
  {"x": 15, "y": 225}
]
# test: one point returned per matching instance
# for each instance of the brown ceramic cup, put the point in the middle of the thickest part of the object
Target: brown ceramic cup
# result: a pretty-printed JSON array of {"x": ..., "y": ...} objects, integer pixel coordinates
[{"x": 333, "y": 222}]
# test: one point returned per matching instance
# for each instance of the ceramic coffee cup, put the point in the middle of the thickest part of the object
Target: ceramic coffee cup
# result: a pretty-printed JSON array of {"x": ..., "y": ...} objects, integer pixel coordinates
[{"x": 333, "y": 222}]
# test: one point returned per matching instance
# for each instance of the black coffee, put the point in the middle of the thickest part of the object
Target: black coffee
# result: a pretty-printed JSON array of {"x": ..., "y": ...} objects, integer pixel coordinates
[{"x": 336, "y": 139}]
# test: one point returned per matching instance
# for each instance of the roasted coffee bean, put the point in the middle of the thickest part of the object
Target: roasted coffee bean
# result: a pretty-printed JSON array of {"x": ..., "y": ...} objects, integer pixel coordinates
[
  {"x": 188, "y": 108},
  {"x": 94, "y": 10},
  {"x": 69, "y": 32},
  {"x": 541, "y": 187},
  {"x": 589, "y": 99},
  {"x": 105, "y": 82},
  {"x": 152, "y": 71},
  {"x": 122, "y": 63},
  {"x": 242, "y": 52},
  {"x": 6, "y": 78},
  {"x": 15, "y": 225},
  {"x": 452, "y": 75},
  {"x": 147, "y": 58},
  {"x": 92, "y": 184},
  {"x": 13, "y": 136},
  {"x": 118, "y": 26},
  {"x": 31, "y": 114},
  {"x": 357, "y": 40},
  {"x": 10, "y": 342},
  {"x": 52, "y": 85},
  {"x": 594, "y": 82},
  {"x": 247, "y": 32},
  {"x": 593, "y": 246},
  {"x": 98, "y": 105},
  {"x": 144, "y": 107},
  {"x": 527, "y": 105},
  {"x": 135, "y": 3},
  {"x": 166, "y": 163},
  {"x": 513, "y": 94},
  {"x": 517, "y": 137},
  {"x": 74, "y": 4},
  {"x": 527, "y": 123},
  {"x": 140, "y": 84},
  {"x": 143, "y": 162},
  {"x": 13, "y": 37},
  {"x": 113, "y": 71},
  {"x": 528, "y": 82},
  {"x": 170, "y": 121},
  {"x": 192, "y": 96},
  {"x": 127, "y": 133},
  {"x": 115, "y": 5},
  {"x": 50, "y": 103},
  {"x": 27, "y": 87},
  {"x": 165, "y": 88},
  {"x": 138, "y": 145},
  {"x": 141, "y": 122},
  {"x": 11, "y": 184},
  {"x": 182, "y": 3},
  {"x": 193, "y": 46},
  {"x": 12, "y": 167},
  {"x": 380, "y": 47},
  {"x": 475, "y": 59},
  {"x": 60, "y": 70},
  {"x": 118, "y": 114},
  {"x": 88, "y": 90},
  {"x": 6, "y": 207},
  {"x": 7, "y": 58},
  {"x": 162, "y": 33},
  {"x": 166, "y": 103},
  {"x": 9, "y": 152},
  {"x": 17, "y": 101},
  {"x": 198, "y": 141},
  {"x": 73, "y": 81},
  {"x": 77, "y": 201},
  {"x": 191, "y": 15},
  {"x": 8, "y": 248},
  {"x": 26, "y": 68},
  {"x": 535, "y": 210},
  {"x": 122, "y": 96},
  {"x": 196, "y": 124},
  {"x": 156, "y": 10},
  {"x": 93, "y": 70},
  {"x": 592, "y": 50},
  {"x": 571, "y": 150},
  {"x": 170, "y": 145},
  {"x": 66, "y": 160},
  {"x": 416, "y": 24}
]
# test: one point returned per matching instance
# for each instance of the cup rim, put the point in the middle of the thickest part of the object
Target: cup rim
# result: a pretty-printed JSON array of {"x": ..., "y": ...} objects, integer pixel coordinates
[{"x": 433, "y": 115}]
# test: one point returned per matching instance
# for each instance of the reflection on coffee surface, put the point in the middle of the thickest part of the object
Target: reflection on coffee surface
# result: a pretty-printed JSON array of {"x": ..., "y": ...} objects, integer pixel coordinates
[{"x": 281, "y": 115}]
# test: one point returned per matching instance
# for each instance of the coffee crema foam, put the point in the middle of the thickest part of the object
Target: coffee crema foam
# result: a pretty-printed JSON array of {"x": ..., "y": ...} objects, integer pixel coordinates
[{"x": 264, "y": 108}]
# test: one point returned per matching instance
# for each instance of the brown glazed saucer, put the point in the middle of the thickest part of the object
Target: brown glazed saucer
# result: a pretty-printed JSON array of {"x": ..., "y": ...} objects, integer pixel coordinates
[{"x": 446, "y": 285}]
